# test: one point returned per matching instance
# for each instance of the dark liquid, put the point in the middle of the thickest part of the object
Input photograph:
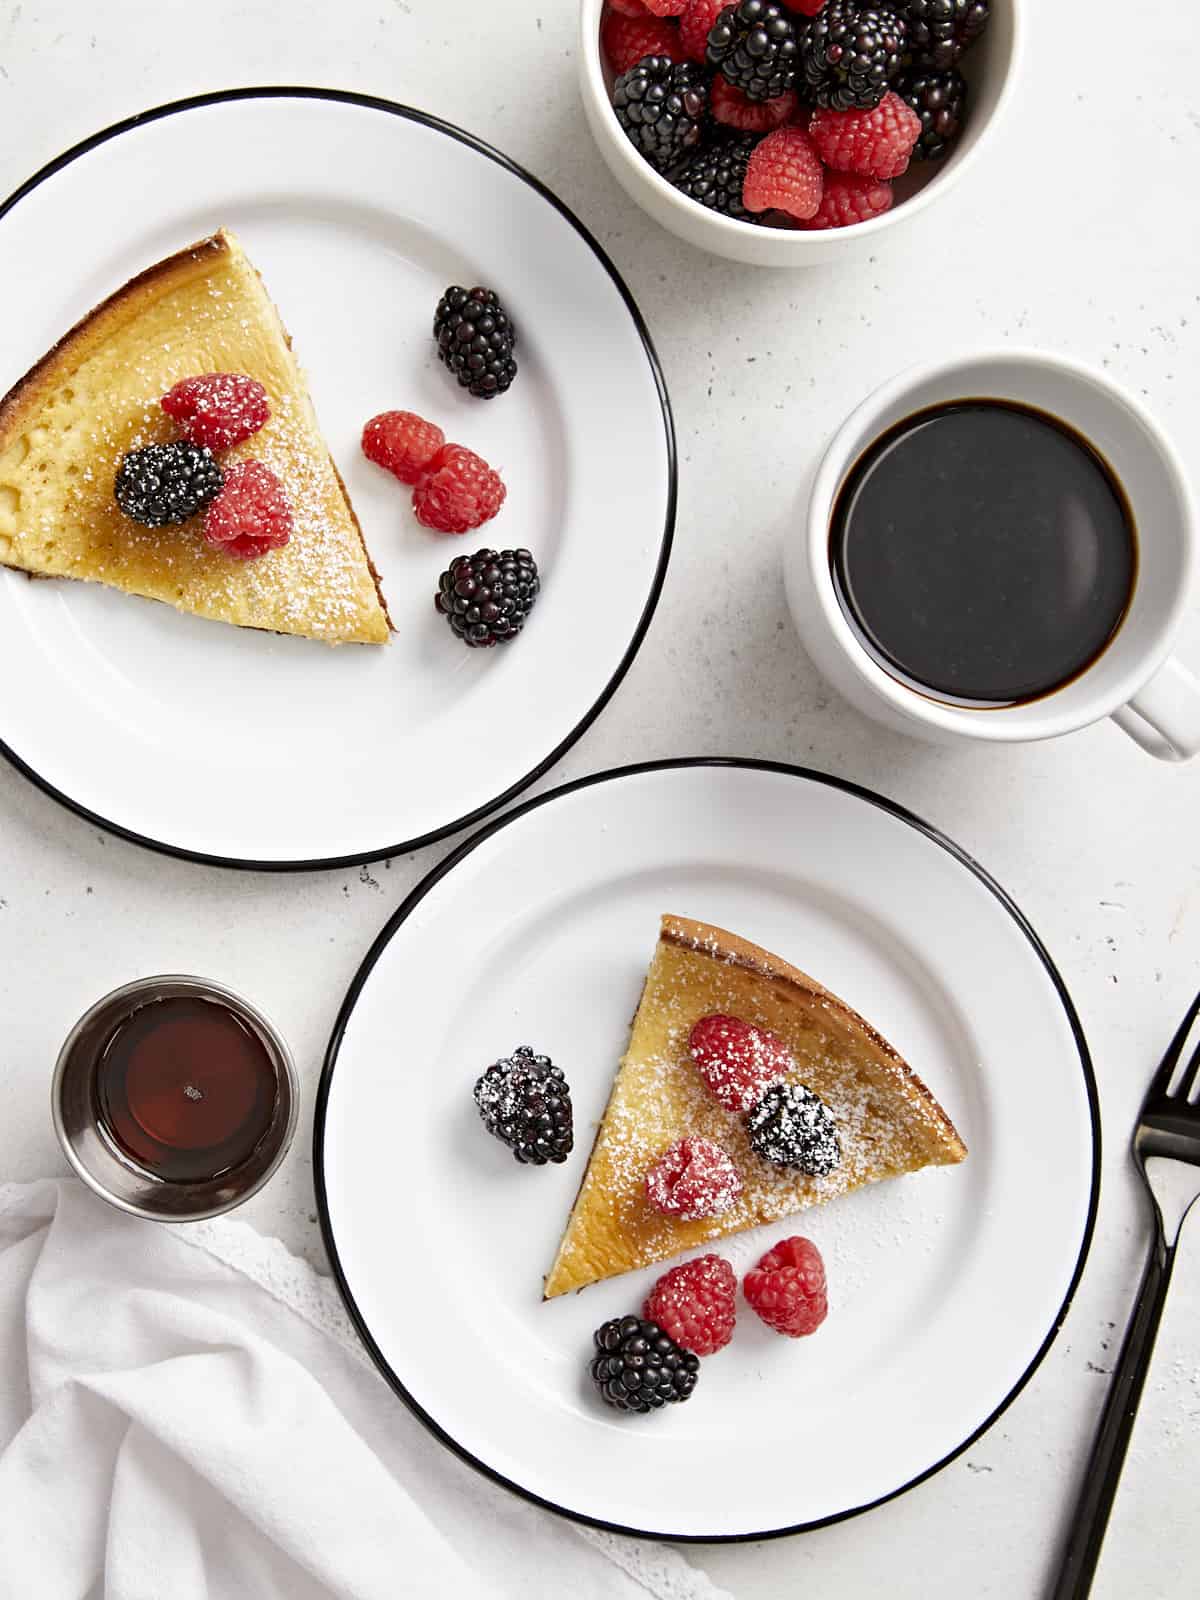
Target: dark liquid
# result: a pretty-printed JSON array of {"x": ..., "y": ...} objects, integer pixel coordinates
[
  {"x": 185, "y": 1089},
  {"x": 985, "y": 552}
]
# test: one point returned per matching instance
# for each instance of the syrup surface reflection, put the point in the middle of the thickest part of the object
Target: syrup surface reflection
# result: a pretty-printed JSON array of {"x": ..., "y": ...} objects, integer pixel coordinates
[{"x": 184, "y": 1088}]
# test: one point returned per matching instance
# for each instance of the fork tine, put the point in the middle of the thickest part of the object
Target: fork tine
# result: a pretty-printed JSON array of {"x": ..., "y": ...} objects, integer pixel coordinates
[
  {"x": 1161, "y": 1081},
  {"x": 1191, "y": 1076}
]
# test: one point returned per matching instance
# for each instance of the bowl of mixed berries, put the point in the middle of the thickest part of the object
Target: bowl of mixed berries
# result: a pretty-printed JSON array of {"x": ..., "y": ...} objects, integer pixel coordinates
[{"x": 784, "y": 132}]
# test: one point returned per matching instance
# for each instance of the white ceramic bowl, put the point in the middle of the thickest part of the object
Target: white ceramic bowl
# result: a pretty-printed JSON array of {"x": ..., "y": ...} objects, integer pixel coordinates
[{"x": 990, "y": 69}]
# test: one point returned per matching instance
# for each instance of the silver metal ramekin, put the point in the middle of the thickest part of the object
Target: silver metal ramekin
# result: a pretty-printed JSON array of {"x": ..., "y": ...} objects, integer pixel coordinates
[{"x": 119, "y": 1180}]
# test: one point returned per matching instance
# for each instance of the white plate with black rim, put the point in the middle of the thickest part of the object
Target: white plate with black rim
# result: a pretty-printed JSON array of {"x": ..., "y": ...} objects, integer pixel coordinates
[
  {"x": 247, "y": 749},
  {"x": 946, "y": 1287}
]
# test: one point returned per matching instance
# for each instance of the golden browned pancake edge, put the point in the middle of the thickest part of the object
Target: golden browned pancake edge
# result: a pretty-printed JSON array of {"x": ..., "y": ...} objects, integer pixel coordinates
[
  {"x": 888, "y": 1121},
  {"x": 65, "y": 425}
]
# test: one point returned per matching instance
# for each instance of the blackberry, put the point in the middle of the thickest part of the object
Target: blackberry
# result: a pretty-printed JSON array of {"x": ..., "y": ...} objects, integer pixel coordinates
[
  {"x": 851, "y": 53},
  {"x": 754, "y": 47},
  {"x": 940, "y": 32},
  {"x": 792, "y": 1127},
  {"x": 487, "y": 597},
  {"x": 715, "y": 176},
  {"x": 638, "y": 1367},
  {"x": 161, "y": 484},
  {"x": 525, "y": 1102},
  {"x": 661, "y": 104},
  {"x": 475, "y": 339},
  {"x": 939, "y": 99}
]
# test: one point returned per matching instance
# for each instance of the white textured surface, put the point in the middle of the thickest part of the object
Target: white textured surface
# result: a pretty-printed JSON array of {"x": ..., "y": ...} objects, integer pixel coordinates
[{"x": 1067, "y": 238}]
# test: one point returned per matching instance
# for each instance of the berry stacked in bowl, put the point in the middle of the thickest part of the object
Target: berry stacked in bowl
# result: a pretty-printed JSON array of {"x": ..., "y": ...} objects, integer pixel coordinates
[{"x": 797, "y": 115}]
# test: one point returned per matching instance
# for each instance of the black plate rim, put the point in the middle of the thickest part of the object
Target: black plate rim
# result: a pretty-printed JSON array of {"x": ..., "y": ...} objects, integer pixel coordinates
[
  {"x": 426, "y": 119},
  {"x": 447, "y": 865}
]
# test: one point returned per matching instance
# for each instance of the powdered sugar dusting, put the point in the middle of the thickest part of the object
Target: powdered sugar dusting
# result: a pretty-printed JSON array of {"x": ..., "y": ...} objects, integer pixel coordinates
[
  {"x": 884, "y": 1126},
  {"x": 792, "y": 1127},
  {"x": 737, "y": 1061},
  {"x": 108, "y": 402},
  {"x": 694, "y": 1178}
]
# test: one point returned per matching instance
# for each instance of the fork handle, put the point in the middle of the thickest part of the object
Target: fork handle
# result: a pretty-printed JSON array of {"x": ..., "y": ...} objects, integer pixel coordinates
[{"x": 1103, "y": 1471}]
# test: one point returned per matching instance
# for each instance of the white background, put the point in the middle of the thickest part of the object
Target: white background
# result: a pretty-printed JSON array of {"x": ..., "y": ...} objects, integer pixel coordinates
[{"x": 1077, "y": 231}]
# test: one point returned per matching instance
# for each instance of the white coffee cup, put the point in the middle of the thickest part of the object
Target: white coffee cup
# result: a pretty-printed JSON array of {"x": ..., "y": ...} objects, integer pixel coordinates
[{"x": 1135, "y": 680}]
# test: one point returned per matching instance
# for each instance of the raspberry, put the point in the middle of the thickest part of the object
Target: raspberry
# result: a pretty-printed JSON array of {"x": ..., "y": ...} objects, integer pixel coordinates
[
  {"x": 695, "y": 25},
  {"x": 251, "y": 515},
  {"x": 738, "y": 1061},
  {"x": 876, "y": 143},
  {"x": 787, "y": 1288},
  {"x": 627, "y": 39},
  {"x": 628, "y": 8},
  {"x": 458, "y": 492},
  {"x": 730, "y": 106},
  {"x": 808, "y": 8},
  {"x": 665, "y": 8},
  {"x": 694, "y": 1178},
  {"x": 217, "y": 409},
  {"x": 784, "y": 174},
  {"x": 402, "y": 443},
  {"x": 696, "y": 1304},
  {"x": 849, "y": 198}
]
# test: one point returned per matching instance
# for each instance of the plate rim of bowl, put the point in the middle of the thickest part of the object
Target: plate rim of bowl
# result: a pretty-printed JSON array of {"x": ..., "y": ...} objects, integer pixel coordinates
[
  {"x": 459, "y": 853},
  {"x": 481, "y": 147}
]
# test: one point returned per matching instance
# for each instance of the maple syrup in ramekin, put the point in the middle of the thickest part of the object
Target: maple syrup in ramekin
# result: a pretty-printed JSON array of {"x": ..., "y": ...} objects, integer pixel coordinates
[
  {"x": 185, "y": 1088},
  {"x": 174, "y": 1098}
]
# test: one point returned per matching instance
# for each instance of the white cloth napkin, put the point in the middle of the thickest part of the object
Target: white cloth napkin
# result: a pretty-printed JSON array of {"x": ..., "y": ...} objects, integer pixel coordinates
[{"x": 185, "y": 1412}]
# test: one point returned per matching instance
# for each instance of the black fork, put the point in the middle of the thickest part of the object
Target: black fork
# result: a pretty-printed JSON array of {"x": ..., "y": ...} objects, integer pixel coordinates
[{"x": 1166, "y": 1142}]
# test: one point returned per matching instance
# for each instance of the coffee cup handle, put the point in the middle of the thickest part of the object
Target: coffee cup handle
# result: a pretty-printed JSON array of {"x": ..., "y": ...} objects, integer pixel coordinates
[{"x": 1164, "y": 716}]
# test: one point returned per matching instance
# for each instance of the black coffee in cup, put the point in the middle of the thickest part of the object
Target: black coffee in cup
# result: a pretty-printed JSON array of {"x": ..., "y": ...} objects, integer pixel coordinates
[{"x": 984, "y": 551}]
